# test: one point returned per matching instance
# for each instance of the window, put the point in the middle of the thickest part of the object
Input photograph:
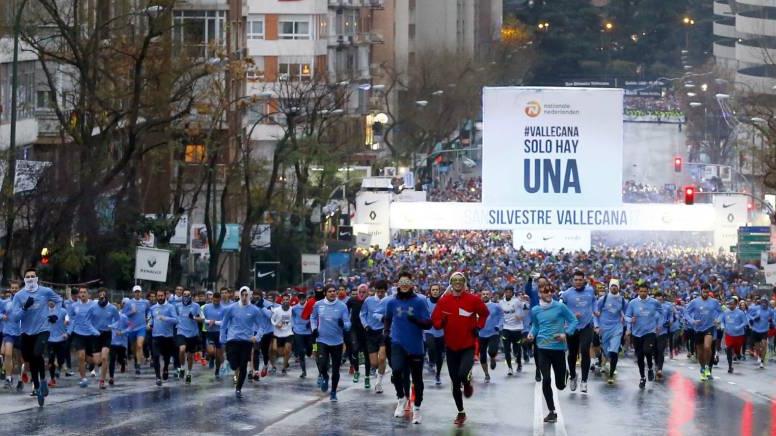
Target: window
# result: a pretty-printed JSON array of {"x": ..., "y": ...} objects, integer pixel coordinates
[
  {"x": 294, "y": 71},
  {"x": 256, "y": 70},
  {"x": 195, "y": 154},
  {"x": 45, "y": 100},
  {"x": 25, "y": 92},
  {"x": 197, "y": 32},
  {"x": 256, "y": 27},
  {"x": 290, "y": 27},
  {"x": 256, "y": 113}
]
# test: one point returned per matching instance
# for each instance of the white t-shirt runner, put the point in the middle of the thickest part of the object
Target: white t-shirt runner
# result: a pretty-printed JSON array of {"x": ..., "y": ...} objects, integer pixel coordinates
[
  {"x": 513, "y": 313},
  {"x": 282, "y": 317}
]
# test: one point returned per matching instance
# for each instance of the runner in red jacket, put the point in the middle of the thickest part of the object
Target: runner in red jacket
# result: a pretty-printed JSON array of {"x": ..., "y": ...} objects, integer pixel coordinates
[{"x": 461, "y": 315}]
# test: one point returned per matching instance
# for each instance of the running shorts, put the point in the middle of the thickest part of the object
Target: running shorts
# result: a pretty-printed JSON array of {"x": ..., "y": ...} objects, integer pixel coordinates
[{"x": 191, "y": 343}]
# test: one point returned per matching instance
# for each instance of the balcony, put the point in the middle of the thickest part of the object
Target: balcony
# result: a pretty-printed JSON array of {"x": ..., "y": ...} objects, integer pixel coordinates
[
  {"x": 755, "y": 2},
  {"x": 725, "y": 48},
  {"x": 725, "y": 27},
  {"x": 374, "y": 4},
  {"x": 755, "y": 23},
  {"x": 760, "y": 79},
  {"x": 756, "y": 51},
  {"x": 26, "y": 132},
  {"x": 722, "y": 8}
]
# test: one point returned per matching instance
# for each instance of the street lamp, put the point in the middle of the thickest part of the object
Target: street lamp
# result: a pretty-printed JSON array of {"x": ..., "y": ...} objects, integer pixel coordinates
[
  {"x": 544, "y": 26},
  {"x": 608, "y": 26}
]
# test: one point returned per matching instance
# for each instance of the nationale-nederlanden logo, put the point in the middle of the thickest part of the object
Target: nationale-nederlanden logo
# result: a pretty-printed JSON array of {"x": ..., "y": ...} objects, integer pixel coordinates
[{"x": 533, "y": 109}]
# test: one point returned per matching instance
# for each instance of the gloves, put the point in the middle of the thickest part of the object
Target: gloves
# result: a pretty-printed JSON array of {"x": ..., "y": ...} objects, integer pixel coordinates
[
  {"x": 476, "y": 332},
  {"x": 191, "y": 315},
  {"x": 315, "y": 334},
  {"x": 27, "y": 304},
  {"x": 52, "y": 318},
  {"x": 341, "y": 323}
]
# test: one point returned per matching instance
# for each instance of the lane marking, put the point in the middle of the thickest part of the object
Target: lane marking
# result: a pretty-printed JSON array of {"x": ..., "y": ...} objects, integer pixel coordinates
[
  {"x": 560, "y": 426},
  {"x": 538, "y": 421}
]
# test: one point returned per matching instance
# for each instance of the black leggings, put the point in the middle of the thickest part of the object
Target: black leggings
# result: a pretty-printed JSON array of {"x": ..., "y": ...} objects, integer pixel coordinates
[
  {"x": 330, "y": 354},
  {"x": 578, "y": 343},
  {"x": 660, "y": 349},
  {"x": 263, "y": 348},
  {"x": 512, "y": 344},
  {"x": 489, "y": 347},
  {"x": 238, "y": 353},
  {"x": 303, "y": 347},
  {"x": 33, "y": 347},
  {"x": 116, "y": 353},
  {"x": 407, "y": 365},
  {"x": 436, "y": 351},
  {"x": 459, "y": 365},
  {"x": 547, "y": 360},
  {"x": 644, "y": 347},
  {"x": 162, "y": 347},
  {"x": 358, "y": 345},
  {"x": 57, "y": 354}
]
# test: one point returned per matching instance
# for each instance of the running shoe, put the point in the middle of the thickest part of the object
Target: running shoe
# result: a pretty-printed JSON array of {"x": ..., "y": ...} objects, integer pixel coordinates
[
  {"x": 519, "y": 368},
  {"x": 324, "y": 384},
  {"x": 356, "y": 376},
  {"x": 284, "y": 372},
  {"x": 137, "y": 370},
  {"x": 400, "y": 406},
  {"x": 651, "y": 375},
  {"x": 41, "y": 394},
  {"x": 83, "y": 383},
  {"x": 273, "y": 371},
  {"x": 102, "y": 384},
  {"x": 333, "y": 396},
  {"x": 264, "y": 372},
  {"x": 320, "y": 380},
  {"x": 378, "y": 388},
  {"x": 159, "y": 382},
  {"x": 8, "y": 384},
  {"x": 468, "y": 389},
  {"x": 551, "y": 417},
  {"x": 509, "y": 372},
  {"x": 165, "y": 375},
  {"x": 659, "y": 375},
  {"x": 610, "y": 380},
  {"x": 256, "y": 376},
  {"x": 238, "y": 394},
  {"x": 460, "y": 419},
  {"x": 730, "y": 370},
  {"x": 367, "y": 384},
  {"x": 642, "y": 383},
  {"x": 352, "y": 370},
  {"x": 19, "y": 386},
  {"x": 487, "y": 378},
  {"x": 303, "y": 374},
  {"x": 416, "y": 418},
  {"x": 25, "y": 378},
  {"x": 707, "y": 373},
  {"x": 573, "y": 384},
  {"x": 93, "y": 373},
  {"x": 110, "y": 381},
  {"x": 68, "y": 373},
  {"x": 703, "y": 375},
  {"x": 44, "y": 389},
  {"x": 52, "y": 383},
  {"x": 188, "y": 379},
  {"x": 583, "y": 387},
  {"x": 492, "y": 363},
  {"x": 437, "y": 381}
]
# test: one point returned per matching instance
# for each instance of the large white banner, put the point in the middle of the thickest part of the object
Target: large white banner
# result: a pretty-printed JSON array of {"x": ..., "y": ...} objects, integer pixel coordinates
[
  {"x": 552, "y": 146},
  {"x": 731, "y": 213},
  {"x": 151, "y": 264},
  {"x": 551, "y": 240},
  {"x": 476, "y": 216},
  {"x": 311, "y": 264},
  {"x": 373, "y": 208}
]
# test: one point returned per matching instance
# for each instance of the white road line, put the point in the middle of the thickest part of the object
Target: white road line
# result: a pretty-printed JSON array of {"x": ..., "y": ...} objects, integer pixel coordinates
[
  {"x": 560, "y": 426},
  {"x": 538, "y": 420}
]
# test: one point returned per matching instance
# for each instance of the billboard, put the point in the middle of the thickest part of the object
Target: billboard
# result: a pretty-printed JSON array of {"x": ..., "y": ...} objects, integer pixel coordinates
[
  {"x": 551, "y": 240},
  {"x": 552, "y": 146},
  {"x": 151, "y": 264}
]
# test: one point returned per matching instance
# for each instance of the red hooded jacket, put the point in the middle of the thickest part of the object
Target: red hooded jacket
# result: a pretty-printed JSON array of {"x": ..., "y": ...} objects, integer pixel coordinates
[{"x": 459, "y": 316}]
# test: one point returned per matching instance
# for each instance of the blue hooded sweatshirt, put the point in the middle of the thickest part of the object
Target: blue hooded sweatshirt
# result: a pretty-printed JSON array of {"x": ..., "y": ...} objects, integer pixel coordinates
[
  {"x": 734, "y": 322},
  {"x": 405, "y": 333},
  {"x": 701, "y": 314},
  {"x": 549, "y": 321},
  {"x": 163, "y": 319},
  {"x": 241, "y": 323},
  {"x": 105, "y": 316}
]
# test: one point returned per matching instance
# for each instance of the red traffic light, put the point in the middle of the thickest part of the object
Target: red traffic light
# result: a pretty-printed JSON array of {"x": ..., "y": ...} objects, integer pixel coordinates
[
  {"x": 689, "y": 194},
  {"x": 44, "y": 256},
  {"x": 678, "y": 164},
  {"x": 44, "y": 261}
]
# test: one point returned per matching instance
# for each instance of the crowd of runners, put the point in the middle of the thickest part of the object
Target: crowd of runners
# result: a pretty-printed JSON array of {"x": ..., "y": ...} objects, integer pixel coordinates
[{"x": 460, "y": 298}]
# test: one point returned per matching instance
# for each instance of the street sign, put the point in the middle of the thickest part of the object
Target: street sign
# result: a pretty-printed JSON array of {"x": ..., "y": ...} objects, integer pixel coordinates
[
  {"x": 753, "y": 241},
  {"x": 755, "y": 229}
]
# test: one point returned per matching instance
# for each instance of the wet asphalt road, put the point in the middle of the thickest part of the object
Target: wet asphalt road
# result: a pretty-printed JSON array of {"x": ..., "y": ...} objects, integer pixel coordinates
[{"x": 738, "y": 404}]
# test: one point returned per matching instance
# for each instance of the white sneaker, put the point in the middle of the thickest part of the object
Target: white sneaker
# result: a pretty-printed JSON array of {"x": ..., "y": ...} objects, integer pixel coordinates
[
  {"x": 416, "y": 418},
  {"x": 762, "y": 365},
  {"x": 573, "y": 384},
  {"x": 509, "y": 372},
  {"x": 379, "y": 388},
  {"x": 93, "y": 373},
  {"x": 399, "y": 412},
  {"x": 583, "y": 387}
]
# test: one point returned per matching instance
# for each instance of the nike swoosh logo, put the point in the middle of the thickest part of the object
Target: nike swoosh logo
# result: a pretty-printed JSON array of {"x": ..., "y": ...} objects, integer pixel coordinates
[
  {"x": 547, "y": 239},
  {"x": 725, "y": 206},
  {"x": 345, "y": 233},
  {"x": 261, "y": 276},
  {"x": 369, "y": 203}
]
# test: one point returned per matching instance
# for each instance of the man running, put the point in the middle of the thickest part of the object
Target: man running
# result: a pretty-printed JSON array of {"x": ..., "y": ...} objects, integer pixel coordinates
[
  {"x": 118, "y": 343},
  {"x": 57, "y": 343},
  {"x": 137, "y": 311},
  {"x": 512, "y": 333},
  {"x": 406, "y": 316},
  {"x": 213, "y": 314},
  {"x": 330, "y": 321},
  {"x": 239, "y": 331},
  {"x": 461, "y": 315},
  {"x": 358, "y": 335},
  {"x": 264, "y": 345},
  {"x": 760, "y": 318},
  {"x": 303, "y": 334},
  {"x": 372, "y": 312},
  {"x": 643, "y": 318},
  {"x": 611, "y": 318},
  {"x": 30, "y": 306},
  {"x": 580, "y": 299},
  {"x": 163, "y": 319},
  {"x": 733, "y": 323},
  {"x": 435, "y": 338},
  {"x": 12, "y": 351},
  {"x": 105, "y": 314},
  {"x": 282, "y": 331},
  {"x": 663, "y": 336},
  {"x": 489, "y": 335},
  {"x": 551, "y": 324},
  {"x": 187, "y": 337},
  {"x": 702, "y": 314},
  {"x": 85, "y": 336}
]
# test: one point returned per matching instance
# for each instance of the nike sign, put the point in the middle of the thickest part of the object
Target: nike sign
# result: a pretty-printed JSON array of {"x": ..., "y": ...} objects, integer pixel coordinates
[
  {"x": 369, "y": 203},
  {"x": 262, "y": 275},
  {"x": 345, "y": 234},
  {"x": 547, "y": 239},
  {"x": 725, "y": 206}
]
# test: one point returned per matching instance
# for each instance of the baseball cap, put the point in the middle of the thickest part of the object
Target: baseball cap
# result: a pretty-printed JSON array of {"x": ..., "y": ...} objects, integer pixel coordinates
[{"x": 136, "y": 288}]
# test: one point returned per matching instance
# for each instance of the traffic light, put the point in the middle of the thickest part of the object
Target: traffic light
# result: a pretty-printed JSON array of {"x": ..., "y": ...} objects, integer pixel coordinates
[
  {"x": 44, "y": 256},
  {"x": 678, "y": 164},
  {"x": 689, "y": 194}
]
